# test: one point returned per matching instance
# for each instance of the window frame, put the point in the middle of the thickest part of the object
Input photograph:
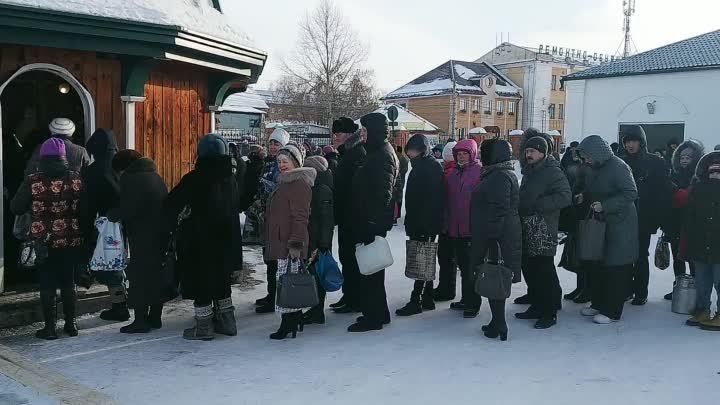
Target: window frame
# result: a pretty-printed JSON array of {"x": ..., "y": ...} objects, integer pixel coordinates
[
  {"x": 500, "y": 107},
  {"x": 561, "y": 111},
  {"x": 487, "y": 106},
  {"x": 553, "y": 84},
  {"x": 551, "y": 111},
  {"x": 511, "y": 108}
]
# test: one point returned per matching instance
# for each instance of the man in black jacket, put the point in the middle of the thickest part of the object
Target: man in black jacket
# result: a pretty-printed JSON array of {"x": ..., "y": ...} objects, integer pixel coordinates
[
  {"x": 424, "y": 208},
  {"x": 653, "y": 206},
  {"x": 352, "y": 155},
  {"x": 372, "y": 214}
]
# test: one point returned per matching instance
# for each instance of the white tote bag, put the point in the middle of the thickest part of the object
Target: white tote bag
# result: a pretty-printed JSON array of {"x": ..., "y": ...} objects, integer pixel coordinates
[
  {"x": 374, "y": 257},
  {"x": 110, "y": 252}
]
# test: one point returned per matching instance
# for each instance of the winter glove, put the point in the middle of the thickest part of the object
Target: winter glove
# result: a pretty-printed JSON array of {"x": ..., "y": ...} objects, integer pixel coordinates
[
  {"x": 294, "y": 253},
  {"x": 597, "y": 206}
]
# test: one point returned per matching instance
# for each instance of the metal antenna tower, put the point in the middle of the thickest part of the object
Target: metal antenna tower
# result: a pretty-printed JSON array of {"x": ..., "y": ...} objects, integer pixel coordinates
[{"x": 628, "y": 11}]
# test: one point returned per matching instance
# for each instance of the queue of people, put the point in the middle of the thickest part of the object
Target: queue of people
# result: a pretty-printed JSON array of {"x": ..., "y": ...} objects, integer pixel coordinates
[{"x": 466, "y": 198}]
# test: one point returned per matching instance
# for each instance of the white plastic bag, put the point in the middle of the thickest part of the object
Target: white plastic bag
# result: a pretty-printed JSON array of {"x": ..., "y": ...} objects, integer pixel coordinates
[
  {"x": 110, "y": 252},
  {"x": 374, "y": 257}
]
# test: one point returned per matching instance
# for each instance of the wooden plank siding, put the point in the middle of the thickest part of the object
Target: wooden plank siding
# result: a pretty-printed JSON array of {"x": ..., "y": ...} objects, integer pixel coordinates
[{"x": 174, "y": 116}]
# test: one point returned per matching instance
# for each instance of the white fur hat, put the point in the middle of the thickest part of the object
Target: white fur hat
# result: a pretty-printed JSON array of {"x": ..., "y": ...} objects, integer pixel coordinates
[
  {"x": 448, "y": 152},
  {"x": 62, "y": 126},
  {"x": 280, "y": 136}
]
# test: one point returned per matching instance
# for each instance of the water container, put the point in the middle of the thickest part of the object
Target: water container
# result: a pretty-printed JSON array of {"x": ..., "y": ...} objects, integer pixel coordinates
[{"x": 684, "y": 295}]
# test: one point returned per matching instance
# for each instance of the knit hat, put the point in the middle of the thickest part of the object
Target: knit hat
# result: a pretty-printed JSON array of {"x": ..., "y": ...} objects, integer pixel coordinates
[
  {"x": 319, "y": 163},
  {"x": 294, "y": 153},
  {"x": 328, "y": 149},
  {"x": 344, "y": 125},
  {"x": 124, "y": 159},
  {"x": 448, "y": 152},
  {"x": 62, "y": 126},
  {"x": 375, "y": 123},
  {"x": 212, "y": 145},
  {"x": 280, "y": 136},
  {"x": 574, "y": 144},
  {"x": 537, "y": 143},
  {"x": 53, "y": 147}
]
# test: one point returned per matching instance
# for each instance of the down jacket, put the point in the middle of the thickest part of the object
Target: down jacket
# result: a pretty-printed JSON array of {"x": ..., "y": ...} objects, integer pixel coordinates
[
  {"x": 460, "y": 181},
  {"x": 322, "y": 219},
  {"x": 702, "y": 223},
  {"x": 424, "y": 197},
  {"x": 288, "y": 214},
  {"x": 682, "y": 178},
  {"x": 610, "y": 182},
  {"x": 352, "y": 156}
]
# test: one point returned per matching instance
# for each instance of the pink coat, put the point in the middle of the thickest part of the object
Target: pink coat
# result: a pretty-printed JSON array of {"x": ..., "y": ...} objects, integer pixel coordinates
[{"x": 459, "y": 185}]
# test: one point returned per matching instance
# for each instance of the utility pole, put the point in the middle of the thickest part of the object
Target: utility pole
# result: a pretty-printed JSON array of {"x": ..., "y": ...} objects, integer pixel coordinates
[
  {"x": 628, "y": 11},
  {"x": 453, "y": 116}
]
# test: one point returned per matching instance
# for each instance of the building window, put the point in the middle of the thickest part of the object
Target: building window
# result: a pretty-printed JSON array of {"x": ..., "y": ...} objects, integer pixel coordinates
[
  {"x": 511, "y": 108},
  {"x": 562, "y": 85},
  {"x": 500, "y": 107},
  {"x": 551, "y": 111},
  {"x": 461, "y": 133},
  {"x": 463, "y": 104},
  {"x": 554, "y": 83},
  {"x": 488, "y": 106},
  {"x": 561, "y": 111},
  {"x": 476, "y": 105}
]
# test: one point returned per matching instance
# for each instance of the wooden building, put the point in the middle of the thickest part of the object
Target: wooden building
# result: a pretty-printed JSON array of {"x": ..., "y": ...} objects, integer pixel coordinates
[{"x": 154, "y": 71}]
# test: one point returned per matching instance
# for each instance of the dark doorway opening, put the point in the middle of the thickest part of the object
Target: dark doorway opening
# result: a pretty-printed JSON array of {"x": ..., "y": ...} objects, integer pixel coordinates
[{"x": 659, "y": 135}]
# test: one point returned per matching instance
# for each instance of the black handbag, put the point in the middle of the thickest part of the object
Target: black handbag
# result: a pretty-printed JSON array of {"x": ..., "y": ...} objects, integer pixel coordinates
[
  {"x": 493, "y": 279},
  {"x": 171, "y": 278},
  {"x": 297, "y": 290}
]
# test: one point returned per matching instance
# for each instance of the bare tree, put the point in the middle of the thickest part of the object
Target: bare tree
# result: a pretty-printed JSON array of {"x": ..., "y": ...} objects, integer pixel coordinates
[{"x": 328, "y": 67}]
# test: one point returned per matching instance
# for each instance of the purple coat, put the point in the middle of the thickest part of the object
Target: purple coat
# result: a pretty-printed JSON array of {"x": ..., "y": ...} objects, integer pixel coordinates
[{"x": 459, "y": 185}]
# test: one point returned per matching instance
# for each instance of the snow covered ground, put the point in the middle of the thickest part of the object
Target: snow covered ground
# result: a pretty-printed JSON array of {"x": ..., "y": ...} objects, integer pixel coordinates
[{"x": 437, "y": 357}]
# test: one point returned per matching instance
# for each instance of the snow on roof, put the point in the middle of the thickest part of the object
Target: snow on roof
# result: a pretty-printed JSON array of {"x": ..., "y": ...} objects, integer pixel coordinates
[
  {"x": 478, "y": 130},
  {"x": 248, "y": 102},
  {"x": 464, "y": 72},
  {"x": 196, "y": 16},
  {"x": 407, "y": 119},
  {"x": 506, "y": 90}
]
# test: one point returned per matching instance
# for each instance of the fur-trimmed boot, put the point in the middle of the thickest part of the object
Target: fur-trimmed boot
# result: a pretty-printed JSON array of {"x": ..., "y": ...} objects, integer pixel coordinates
[
  {"x": 203, "y": 329},
  {"x": 224, "y": 320}
]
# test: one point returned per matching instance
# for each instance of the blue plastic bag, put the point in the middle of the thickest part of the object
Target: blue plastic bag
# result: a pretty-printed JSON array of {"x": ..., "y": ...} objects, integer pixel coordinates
[{"x": 328, "y": 272}]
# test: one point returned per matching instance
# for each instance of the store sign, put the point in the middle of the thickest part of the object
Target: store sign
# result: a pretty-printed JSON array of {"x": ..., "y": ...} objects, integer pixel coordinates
[{"x": 576, "y": 54}]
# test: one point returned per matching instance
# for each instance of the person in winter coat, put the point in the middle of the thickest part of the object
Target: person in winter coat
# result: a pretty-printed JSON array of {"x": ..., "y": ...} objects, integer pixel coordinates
[
  {"x": 54, "y": 197},
  {"x": 399, "y": 190},
  {"x": 77, "y": 157},
  {"x": 460, "y": 181},
  {"x": 352, "y": 156},
  {"x": 544, "y": 192},
  {"x": 331, "y": 156},
  {"x": 424, "y": 208},
  {"x": 209, "y": 199},
  {"x": 611, "y": 191},
  {"x": 372, "y": 214},
  {"x": 494, "y": 221},
  {"x": 103, "y": 191},
  {"x": 702, "y": 224},
  {"x": 655, "y": 191},
  {"x": 254, "y": 169},
  {"x": 321, "y": 226},
  {"x": 268, "y": 182},
  {"x": 447, "y": 276},
  {"x": 288, "y": 239},
  {"x": 531, "y": 133},
  {"x": 684, "y": 163},
  {"x": 140, "y": 209}
]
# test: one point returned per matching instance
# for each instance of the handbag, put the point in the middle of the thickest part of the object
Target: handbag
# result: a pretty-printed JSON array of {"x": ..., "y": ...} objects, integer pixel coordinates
[
  {"x": 420, "y": 260},
  {"x": 374, "y": 257},
  {"x": 537, "y": 240},
  {"x": 591, "y": 239},
  {"x": 569, "y": 260},
  {"x": 662, "y": 253},
  {"x": 296, "y": 290},
  {"x": 171, "y": 278},
  {"x": 21, "y": 226},
  {"x": 328, "y": 271},
  {"x": 493, "y": 280},
  {"x": 27, "y": 258},
  {"x": 110, "y": 253}
]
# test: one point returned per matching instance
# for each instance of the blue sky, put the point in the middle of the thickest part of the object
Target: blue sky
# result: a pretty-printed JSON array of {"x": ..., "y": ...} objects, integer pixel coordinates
[{"x": 408, "y": 37}]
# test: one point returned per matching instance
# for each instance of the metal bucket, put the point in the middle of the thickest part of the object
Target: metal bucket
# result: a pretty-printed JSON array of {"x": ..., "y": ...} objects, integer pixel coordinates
[{"x": 684, "y": 295}]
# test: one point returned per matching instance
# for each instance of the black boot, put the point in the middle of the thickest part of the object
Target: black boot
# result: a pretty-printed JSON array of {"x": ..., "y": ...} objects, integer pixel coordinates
[
  {"x": 497, "y": 326},
  {"x": 117, "y": 313},
  {"x": 288, "y": 325},
  {"x": 574, "y": 294},
  {"x": 263, "y": 301},
  {"x": 428, "y": 299},
  {"x": 522, "y": 300},
  {"x": 155, "y": 316},
  {"x": 314, "y": 315},
  {"x": 413, "y": 307},
  {"x": 340, "y": 303},
  {"x": 140, "y": 324},
  {"x": 68, "y": 299},
  {"x": 47, "y": 300},
  {"x": 496, "y": 330},
  {"x": 546, "y": 322}
]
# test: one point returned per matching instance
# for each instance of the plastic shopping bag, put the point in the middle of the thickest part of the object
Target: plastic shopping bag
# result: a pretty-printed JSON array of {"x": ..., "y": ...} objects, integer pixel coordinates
[{"x": 110, "y": 252}]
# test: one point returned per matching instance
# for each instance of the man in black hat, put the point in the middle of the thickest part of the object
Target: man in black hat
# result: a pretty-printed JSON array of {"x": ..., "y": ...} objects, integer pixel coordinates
[
  {"x": 372, "y": 214},
  {"x": 654, "y": 189},
  {"x": 352, "y": 155}
]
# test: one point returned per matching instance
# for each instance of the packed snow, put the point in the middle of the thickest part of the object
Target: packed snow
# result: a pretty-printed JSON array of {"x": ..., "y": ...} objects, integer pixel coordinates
[
  {"x": 409, "y": 120},
  {"x": 431, "y": 88},
  {"x": 248, "y": 101},
  {"x": 506, "y": 90},
  {"x": 463, "y": 71},
  {"x": 437, "y": 357},
  {"x": 191, "y": 15}
]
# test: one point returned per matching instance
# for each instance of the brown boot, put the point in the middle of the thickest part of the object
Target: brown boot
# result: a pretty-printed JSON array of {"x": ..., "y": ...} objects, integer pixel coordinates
[
  {"x": 713, "y": 324},
  {"x": 699, "y": 317}
]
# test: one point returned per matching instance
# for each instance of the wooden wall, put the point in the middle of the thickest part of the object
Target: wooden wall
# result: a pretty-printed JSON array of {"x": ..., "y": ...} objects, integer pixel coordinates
[
  {"x": 172, "y": 119},
  {"x": 100, "y": 76}
]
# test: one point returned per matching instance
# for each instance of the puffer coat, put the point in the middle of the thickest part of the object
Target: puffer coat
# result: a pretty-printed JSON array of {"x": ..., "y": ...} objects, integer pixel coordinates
[
  {"x": 702, "y": 221},
  {"x": 460, "y": 181}
]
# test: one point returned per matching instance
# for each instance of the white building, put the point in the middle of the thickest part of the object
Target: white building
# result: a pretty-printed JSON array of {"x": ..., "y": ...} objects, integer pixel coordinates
[{"x": 671, "y": 91}]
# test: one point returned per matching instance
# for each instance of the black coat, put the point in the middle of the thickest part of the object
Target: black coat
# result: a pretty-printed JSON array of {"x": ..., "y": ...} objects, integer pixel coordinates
[
  {"x": 206, "y": 238},
  {"x": 101, "y": 183},
  {"x": 322, "y": 217},
  {"x": 424, "y": 198},
  {"x": 332, "y": 159},
  {"x": 402, "y": 174},
  {"x": 352, "y": 156},
  {"x": 253, "y": 170},
  {"x": 372, "y": 190},
  {"x": 702, "y": 221},
  {"x": 140, "y": 208}
]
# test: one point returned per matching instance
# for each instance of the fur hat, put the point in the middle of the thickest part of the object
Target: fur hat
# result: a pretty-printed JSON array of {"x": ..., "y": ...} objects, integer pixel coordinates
[
  {"x": 280, "y": 136},
  {"x": 448, "y": 152},
  {"x": 344, "y": 125},
  {"x": 53, "y": 147},
  {"x": 538, "y": 143},
  {"x": 374, "y": 122},
  {"x": 294, "y": 153},
  {"x": 124, "y": 159},
  {"x": 212, "y": 145},
  {"x": 319, "y": 163},
  {"x": 62, "y": 126}
]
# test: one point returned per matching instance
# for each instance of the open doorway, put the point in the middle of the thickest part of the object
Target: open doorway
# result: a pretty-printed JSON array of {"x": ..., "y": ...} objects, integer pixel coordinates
[
  {"x": 29, "y": 100},
  {"x": 660, "y": 135}
]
